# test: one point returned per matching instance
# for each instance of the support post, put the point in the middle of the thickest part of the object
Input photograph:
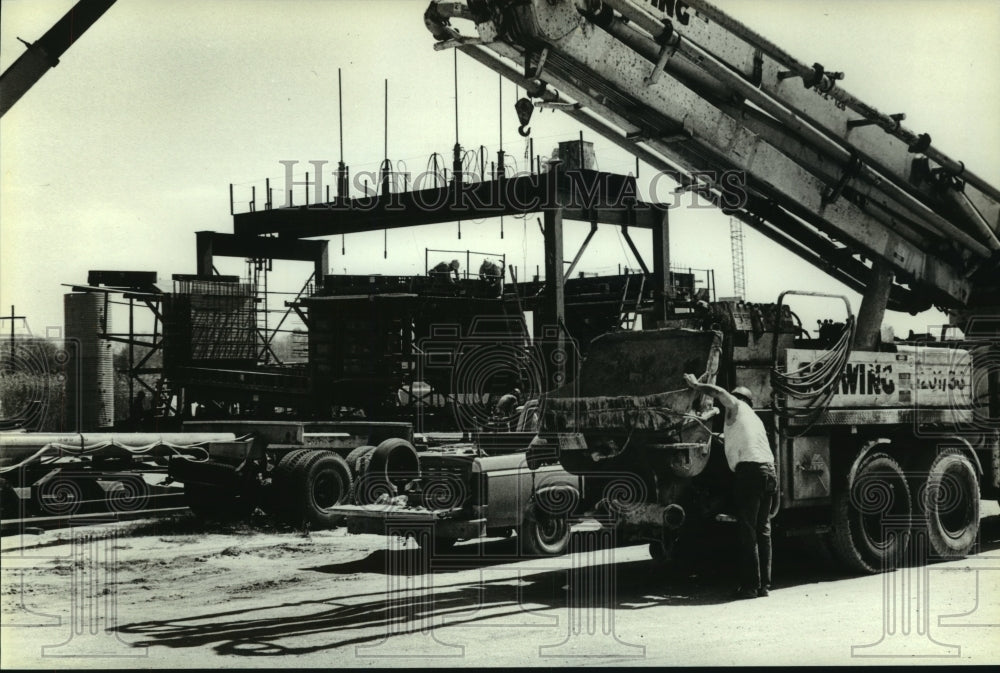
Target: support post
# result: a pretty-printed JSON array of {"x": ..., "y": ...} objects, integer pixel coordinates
[
  {"x": 872, "y": 310},
  {"x": 322, "y": 265},
  {"x": 205, "y": 252},
  {"x": 553, "y": 318},
  {"x": 663, "y": 290}
]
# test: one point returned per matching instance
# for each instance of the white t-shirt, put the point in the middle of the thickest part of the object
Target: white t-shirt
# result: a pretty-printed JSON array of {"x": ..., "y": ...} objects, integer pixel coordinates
[{"x": 745, "y": 437}]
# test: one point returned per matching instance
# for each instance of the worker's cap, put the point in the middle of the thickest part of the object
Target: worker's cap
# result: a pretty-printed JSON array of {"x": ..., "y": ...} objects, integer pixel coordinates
[
  {"x": 743, "y": 393},
  {"x": 454, "y": 264}
]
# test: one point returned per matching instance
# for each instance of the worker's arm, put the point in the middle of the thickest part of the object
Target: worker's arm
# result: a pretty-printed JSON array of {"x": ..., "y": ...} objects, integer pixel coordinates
[{"x": 724, "y": 398}]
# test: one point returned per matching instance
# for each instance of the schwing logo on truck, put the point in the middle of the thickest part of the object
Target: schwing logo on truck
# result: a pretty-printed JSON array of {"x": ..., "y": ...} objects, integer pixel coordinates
[
  {"x": 867, "y": 378},
  {"x": 926, "y": 377},
  {"x": 673, "y": 8}
]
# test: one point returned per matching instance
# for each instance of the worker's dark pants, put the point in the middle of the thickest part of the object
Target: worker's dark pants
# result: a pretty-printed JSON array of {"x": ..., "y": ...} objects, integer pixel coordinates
[{"x": 756, "y": 485}]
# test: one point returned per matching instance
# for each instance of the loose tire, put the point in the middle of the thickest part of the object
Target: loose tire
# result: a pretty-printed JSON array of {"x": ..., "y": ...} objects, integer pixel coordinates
[
  {"x": 543, "y": 534},
  {"x": 318, "y": 481},
  {"x": 390, "y": 465},
  {"x": 871, "y": 517},
  {"x": 948, "y": 502}
]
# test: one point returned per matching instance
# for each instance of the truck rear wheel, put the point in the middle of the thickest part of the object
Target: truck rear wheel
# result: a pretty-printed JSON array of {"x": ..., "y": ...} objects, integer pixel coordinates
[
  {"x": 543, "y": 534},
  {"x": 317, "y": 482},
  {"x": 948, "y": 504},
  {"x": 870, "y": 532}
]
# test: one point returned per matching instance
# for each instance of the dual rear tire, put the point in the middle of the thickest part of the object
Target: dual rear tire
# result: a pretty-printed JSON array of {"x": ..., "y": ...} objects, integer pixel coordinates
[
  {"x": 887, "y": 517},
  {"x": 307, "y": 484},
  {"x": 947, "y": 503}
]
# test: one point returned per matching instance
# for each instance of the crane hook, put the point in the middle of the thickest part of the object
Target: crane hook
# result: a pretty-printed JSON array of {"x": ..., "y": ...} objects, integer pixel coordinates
[{"x": 524, "y": 108}]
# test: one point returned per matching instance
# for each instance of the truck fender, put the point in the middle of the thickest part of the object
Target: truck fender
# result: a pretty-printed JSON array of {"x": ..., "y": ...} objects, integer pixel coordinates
[
  {"x": 557, "y": 499},
  {"x": 881, "y": 443},
  {"x": 966, "y": 448}
]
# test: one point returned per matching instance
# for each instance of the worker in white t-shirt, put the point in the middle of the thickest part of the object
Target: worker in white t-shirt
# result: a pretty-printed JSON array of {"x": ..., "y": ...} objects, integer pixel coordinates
[{"x": 748, "y": 452}]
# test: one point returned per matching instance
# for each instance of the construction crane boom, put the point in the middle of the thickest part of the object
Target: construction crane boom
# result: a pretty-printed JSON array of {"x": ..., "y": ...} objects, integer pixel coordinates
[
  {"x": 774, "y": 142},
  {"x": 45, "y": 52}
]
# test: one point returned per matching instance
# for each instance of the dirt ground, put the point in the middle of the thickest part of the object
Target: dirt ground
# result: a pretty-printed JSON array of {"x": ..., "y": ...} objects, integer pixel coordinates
[{"x": 177, "y": 593}]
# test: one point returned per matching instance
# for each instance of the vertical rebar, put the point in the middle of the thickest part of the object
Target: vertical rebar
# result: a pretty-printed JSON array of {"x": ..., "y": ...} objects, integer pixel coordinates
[
  {"x": 340, "y": 115},
  {"x": 131, "y": 351},
  {"x": 500, "y": 106},
  {"x": 385, "y": 126}
]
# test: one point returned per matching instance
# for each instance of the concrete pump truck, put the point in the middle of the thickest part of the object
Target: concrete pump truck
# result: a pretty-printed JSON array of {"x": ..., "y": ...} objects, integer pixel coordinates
[{"x": 883, "y": 448}]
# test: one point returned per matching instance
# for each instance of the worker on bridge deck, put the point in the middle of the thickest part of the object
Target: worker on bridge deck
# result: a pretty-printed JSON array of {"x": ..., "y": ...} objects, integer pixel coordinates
[
  {"x": 492, "y": 276},
  {"x": 749, "y": 455},
  {"x": 445, "y": 270}
]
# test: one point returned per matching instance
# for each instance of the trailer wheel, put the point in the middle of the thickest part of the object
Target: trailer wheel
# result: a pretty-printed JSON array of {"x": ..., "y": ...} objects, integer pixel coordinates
[
  {"x": 948, "y": 502},
  {"x": 542, "y": 533},
  {"x": 276, "y": 495},
  {"x": 878, "y": 495},
  {"x": 285, "y": 464},
  {"x": 319, "y": 481},
  {"x": 355, "y": 456}
]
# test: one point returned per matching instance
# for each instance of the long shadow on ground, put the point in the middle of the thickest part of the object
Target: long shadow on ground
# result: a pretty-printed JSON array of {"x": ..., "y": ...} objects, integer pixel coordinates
[{"x": 419, "y": 597}]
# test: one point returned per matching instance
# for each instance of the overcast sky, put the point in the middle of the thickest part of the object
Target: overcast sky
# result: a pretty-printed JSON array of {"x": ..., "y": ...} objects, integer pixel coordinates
[{"x": 118, "y": 155}]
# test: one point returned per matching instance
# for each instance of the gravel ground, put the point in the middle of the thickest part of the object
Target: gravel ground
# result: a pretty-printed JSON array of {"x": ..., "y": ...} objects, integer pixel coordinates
[{"x": 176, "y": 593}]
